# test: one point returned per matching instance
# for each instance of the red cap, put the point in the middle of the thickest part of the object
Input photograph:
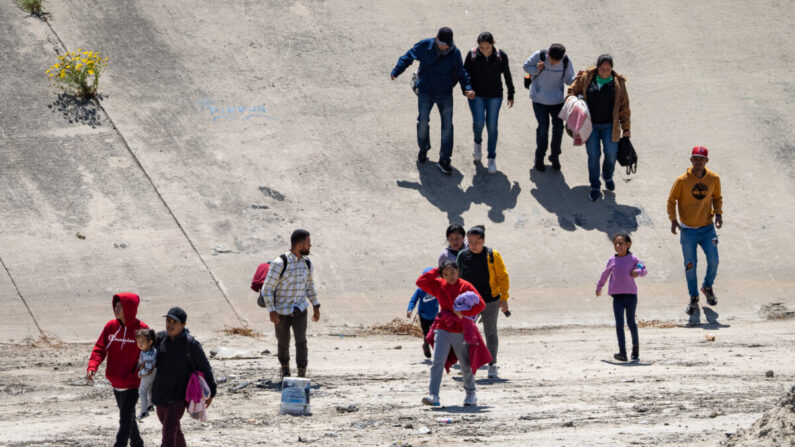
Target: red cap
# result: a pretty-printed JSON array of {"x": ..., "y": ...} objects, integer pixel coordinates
[{"x": 700, "y": 151}]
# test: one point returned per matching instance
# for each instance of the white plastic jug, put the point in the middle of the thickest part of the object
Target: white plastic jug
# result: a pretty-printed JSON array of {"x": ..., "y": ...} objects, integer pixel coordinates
[{"x": 295, "y": 396}]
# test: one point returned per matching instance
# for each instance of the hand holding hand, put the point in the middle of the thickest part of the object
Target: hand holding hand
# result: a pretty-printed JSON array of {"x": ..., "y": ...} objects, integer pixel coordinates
[{"x": 470, "y": 94}]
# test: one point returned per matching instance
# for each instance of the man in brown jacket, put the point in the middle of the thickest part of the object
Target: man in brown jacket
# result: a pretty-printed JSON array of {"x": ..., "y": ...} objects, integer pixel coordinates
[{"x": 605, "y": 92}]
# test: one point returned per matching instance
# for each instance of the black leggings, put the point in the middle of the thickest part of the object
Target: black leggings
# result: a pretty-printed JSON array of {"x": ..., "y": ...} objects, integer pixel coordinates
[
  {"x": 628, "y": 302},
  {"x": 426, "y": 326}
]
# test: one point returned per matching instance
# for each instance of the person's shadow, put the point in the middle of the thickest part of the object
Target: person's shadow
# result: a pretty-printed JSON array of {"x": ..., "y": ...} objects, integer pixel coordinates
[
  {"x": 712, "y": 323},
  {"x": 445, "y": 191},
  {"x": 574, "y": 209},
  {"x": 494, "y": 190}
]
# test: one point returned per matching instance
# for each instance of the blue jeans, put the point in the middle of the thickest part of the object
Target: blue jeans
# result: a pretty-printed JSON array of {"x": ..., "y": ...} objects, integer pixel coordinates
[
  {"x": 486, "y": 111},
  {"x": 625, "y": 302},
  {"x": 543, "y": 113},
  {"x": 707, "y": 238},
  {"x": 601, "y": 133},
  {"x": 445, "y": 105}
]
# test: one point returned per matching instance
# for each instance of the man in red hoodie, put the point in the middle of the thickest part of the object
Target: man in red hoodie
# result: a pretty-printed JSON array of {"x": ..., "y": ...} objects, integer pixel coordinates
[{"x": 117, "y": 343}]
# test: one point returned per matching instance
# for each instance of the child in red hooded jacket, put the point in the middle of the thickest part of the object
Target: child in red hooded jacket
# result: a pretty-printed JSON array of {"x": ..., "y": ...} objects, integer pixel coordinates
[{"x": 117, "y": 343}]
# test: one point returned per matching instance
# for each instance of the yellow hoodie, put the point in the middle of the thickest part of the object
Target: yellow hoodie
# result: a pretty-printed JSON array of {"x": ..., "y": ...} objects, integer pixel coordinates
[{"x": 698, "y": 199}]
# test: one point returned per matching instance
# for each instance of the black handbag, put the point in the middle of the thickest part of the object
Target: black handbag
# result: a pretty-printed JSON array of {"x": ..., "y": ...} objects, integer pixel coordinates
[{"x": 627, "y": 157}]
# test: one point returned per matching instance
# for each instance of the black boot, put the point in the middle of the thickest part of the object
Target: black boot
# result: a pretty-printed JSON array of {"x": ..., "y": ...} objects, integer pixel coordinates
[
  {"x": 621, "y": 356},
  {"x": 635, "y": 352}
]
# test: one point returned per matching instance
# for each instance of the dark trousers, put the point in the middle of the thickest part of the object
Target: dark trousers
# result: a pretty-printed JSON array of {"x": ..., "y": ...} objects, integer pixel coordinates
[
  {"x": 169, "y": 416},
  {"x": 298, "y": 322},
  {"x": 543, "y": 112},
  {"x": 625, "y": 302},
  {"x": 426, "y": 326},
  {"x": 128, "y": 427}
]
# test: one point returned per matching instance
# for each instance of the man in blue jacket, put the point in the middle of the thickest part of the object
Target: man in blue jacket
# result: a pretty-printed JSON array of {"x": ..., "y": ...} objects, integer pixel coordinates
[{"x": 440, "y": 69}]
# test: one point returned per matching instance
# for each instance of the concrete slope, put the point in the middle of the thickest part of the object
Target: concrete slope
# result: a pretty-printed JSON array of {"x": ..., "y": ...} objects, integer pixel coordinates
[{"x": 252, "y": 119}]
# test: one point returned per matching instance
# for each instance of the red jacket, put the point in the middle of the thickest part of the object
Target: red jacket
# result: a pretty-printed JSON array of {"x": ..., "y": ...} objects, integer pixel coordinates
[
  {"x": 117, "y": 342},
  {"x": 479, "y": 354},
  {"x": 431, "y": 283}
]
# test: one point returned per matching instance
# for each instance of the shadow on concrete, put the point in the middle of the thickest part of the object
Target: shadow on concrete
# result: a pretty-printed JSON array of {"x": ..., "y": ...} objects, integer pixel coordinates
[
  {"x": 445, "y": 191},
  {"x": 632, "y": 363},
  {"x": 483, "y": 381},
  {"x": 460, "y": 409},
  {"x": 574, "y": 208},
  {"x": 76, "y": 110}
]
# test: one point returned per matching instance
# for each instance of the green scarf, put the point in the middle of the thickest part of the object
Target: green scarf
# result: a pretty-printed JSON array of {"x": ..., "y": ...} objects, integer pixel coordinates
[{"x": 600, "y": 81}]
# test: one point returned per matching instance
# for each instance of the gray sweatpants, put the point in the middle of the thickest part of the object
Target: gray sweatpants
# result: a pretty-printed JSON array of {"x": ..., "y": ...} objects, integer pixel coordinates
[
  {"x": 443, "y": 342},
  {"x": 489, "y": 319},
  {"x": 145, "y": 391}
]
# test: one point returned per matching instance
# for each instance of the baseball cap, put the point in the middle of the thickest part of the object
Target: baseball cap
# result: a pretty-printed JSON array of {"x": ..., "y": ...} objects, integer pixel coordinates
[
  {"x": 700, "y": 151},
  {"x": 176, "y": 313},
  {"x": 445, "y": 35}
]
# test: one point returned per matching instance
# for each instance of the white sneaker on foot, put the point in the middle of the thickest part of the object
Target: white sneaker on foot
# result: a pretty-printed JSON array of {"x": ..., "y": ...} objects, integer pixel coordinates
[
  {"x": 492, "y": 166},
  {"x": 493, "y": 372},
  {"x": 477, "y": 153},
  {"x": 431, "y": 400},
  {"x": 471, "y": 400}
]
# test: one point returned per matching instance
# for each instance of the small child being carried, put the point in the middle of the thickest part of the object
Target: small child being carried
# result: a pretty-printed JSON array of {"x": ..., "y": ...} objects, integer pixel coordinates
[{"x": 145, "y": 338}]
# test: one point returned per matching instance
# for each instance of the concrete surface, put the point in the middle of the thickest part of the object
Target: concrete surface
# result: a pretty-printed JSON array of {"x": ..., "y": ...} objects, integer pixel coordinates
[{"x": 228, "y": 126}]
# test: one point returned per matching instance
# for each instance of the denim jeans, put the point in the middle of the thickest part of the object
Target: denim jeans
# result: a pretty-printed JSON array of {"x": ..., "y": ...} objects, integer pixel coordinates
[
  {"x": 443, "y": 342},
  {"x": 486, "y": 111},
  {"x": 625, "y": 302},
  {"x": 543, "y": 113},
  {"x": 128, "y": 427},
  {"x": 445, "y": 105},
  {"x": 601, "y": 133},
  {"x": 707, "y": 238}
]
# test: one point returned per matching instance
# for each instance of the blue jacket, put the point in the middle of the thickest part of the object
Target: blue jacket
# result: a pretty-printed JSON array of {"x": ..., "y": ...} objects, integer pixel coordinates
[
  {"x": 429, "y": 305},
  {"x": 436, "y": 78}
]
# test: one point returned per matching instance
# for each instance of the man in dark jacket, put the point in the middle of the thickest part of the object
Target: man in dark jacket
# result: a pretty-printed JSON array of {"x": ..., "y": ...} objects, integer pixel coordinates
[
  {"x": 178, "y": 355},
  {"x": 117, "y": 343},
  {"x": 440, "y": 69}
]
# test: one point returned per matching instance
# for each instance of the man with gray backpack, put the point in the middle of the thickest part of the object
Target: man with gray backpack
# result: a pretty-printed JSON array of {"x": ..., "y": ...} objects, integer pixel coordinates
[
  {"x": 547, "y": 71},
  {"x": 286, "y": 292},
  {"x": 440, "y": 70}
]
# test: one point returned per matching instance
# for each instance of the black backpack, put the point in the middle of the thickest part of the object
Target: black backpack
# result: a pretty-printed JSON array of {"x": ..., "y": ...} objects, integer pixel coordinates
[
  {"x": 543, "y": 56},
  {"x": 627, "y": 156}
]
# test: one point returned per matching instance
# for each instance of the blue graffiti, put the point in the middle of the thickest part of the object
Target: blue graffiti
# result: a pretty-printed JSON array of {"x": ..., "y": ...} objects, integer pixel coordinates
[{"x": 234, "y": 113}]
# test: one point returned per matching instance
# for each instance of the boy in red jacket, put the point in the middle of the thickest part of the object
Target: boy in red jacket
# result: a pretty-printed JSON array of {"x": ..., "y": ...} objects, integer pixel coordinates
[{"x": 117, "y": 343}]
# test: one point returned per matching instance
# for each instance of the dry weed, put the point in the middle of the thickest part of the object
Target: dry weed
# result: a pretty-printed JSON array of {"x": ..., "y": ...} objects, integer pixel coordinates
[
  {"x": 656, "y": 324},
  {"x": 399, "y": 326},
  {"x": 244, "y": 331}
]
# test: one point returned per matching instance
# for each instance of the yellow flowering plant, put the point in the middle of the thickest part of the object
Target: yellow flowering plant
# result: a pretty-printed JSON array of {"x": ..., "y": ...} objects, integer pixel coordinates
[{"x": 78, "y": 72}]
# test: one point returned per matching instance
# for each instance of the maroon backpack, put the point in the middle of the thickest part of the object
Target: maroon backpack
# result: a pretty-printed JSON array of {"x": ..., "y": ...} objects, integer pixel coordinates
[{"x": 262, "y": 272}]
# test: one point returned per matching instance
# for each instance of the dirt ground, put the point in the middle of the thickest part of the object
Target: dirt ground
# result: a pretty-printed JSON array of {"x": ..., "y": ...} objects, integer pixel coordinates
[{"x": 558, "y": 386}]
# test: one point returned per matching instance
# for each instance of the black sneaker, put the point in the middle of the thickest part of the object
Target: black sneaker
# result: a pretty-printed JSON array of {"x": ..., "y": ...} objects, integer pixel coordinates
[
  {"x": 555, "y": 163},
  {"x": 285, "y": 371},
  {"x": 621, "y": 356},
  {"x": 422, "y": 157},
  {"x": 690, "y": 309},
  {"x": 445, "y": 167},
  {"x": 712, "y": 300},
  {"x": 610, "y": 185},
  {"x": 594, "y": 195},
  {"x": 635, "y": 352},
  {"x": 539, "y": 166},
  {"x": 426, "y": 349}
]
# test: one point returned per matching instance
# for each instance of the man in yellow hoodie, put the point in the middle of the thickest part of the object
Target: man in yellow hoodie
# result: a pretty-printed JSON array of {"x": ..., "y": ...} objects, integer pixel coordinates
[{"x": 696, "y": 195}]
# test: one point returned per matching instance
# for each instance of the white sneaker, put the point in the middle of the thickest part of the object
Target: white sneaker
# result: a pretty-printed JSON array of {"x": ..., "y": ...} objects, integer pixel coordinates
[
  {"x": 477, "y": 154},
  {"x": 492, "y": 166},
  {"x": 493, "y": 372},
  {"x": 471, "y": 400},
  {"x": 431, "y": 400}
]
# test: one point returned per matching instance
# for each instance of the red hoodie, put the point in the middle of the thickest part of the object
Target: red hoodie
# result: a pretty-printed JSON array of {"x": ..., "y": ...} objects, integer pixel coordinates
[
  {"x": 117, "y": 342},
  {"x": 446, "y": 294}
]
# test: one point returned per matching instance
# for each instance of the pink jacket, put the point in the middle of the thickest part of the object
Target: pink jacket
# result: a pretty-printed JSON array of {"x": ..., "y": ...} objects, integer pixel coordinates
[
  {"x": 578, "y": 119},
  {"x": 196, "y": 394}
]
